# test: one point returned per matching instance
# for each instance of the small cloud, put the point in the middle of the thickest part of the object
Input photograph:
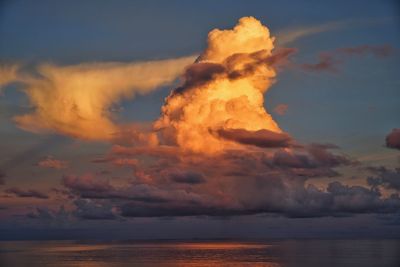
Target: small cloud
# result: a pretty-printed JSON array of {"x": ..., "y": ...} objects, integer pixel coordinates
[
  {"x": 281, "y": 109},
  {"x": 393, "y": 139},
  {"x": 52, "y": 163},
  {"x": 26, "y": 193}
]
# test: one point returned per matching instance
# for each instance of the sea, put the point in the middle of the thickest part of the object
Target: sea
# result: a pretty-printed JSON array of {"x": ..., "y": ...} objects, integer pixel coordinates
[{"x": 202, "y": 253}]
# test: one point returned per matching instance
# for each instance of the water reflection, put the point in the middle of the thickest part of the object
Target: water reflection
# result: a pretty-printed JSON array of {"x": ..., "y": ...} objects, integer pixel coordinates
[{"x": 202, "y": 254}]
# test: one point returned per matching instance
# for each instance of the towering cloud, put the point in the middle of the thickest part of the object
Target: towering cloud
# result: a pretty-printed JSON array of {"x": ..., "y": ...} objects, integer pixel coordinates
[
  {"x": 76, "y": 100},
  {"x": 223, "y": 91}
]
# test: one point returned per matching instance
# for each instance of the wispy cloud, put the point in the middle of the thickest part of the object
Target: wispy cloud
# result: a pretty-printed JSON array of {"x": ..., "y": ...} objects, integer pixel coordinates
[
  {"x": 290, "y": 35},
  {"x": 76, "y": 100}
]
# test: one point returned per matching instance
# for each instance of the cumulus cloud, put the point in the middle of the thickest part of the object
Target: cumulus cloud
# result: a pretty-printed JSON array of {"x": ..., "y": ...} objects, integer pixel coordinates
[
  {"x": 223, "y": 89},
  {"x": 393, "y": 139},
  {"x": 31, "y": 193},
  {"x": 76, "y": 100}
]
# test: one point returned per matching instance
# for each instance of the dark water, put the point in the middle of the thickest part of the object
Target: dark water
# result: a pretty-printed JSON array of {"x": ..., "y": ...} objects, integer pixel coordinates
[{"x": 310, "y": 253}]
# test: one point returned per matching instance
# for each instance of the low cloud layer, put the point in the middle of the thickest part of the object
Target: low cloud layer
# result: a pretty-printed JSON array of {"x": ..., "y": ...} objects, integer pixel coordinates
[{"x": 237, "y": 183}]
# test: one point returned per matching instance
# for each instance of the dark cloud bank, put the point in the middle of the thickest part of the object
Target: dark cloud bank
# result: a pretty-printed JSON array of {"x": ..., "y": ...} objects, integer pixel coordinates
[{"x": 237, "y": 182}]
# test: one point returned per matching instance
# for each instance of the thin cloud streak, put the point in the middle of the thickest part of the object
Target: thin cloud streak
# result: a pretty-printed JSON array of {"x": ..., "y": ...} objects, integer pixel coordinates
[{"x": 291, "y": 35}]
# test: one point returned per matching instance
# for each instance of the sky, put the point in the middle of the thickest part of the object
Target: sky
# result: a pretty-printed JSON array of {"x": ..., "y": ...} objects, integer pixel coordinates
[{"x": 199, "y": 119}]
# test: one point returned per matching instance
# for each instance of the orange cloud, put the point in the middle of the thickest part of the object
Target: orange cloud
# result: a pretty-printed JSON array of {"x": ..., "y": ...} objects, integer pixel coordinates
[
  {"x": 223, "y": 89},
  {"x": 76, "y": 100}
]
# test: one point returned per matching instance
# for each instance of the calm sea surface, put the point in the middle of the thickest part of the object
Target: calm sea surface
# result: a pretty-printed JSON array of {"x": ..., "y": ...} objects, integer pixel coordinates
[{"x": 310, "y": 253}]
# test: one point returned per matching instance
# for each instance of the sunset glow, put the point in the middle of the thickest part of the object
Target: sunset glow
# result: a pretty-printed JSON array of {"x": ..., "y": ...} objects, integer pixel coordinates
[{"x": 199, "y": 133}]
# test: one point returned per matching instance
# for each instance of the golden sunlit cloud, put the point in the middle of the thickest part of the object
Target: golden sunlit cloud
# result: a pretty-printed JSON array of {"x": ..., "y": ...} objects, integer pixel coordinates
[
  {"x": 76, "y": 100},
  {"x": 223, "y": 89}
]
